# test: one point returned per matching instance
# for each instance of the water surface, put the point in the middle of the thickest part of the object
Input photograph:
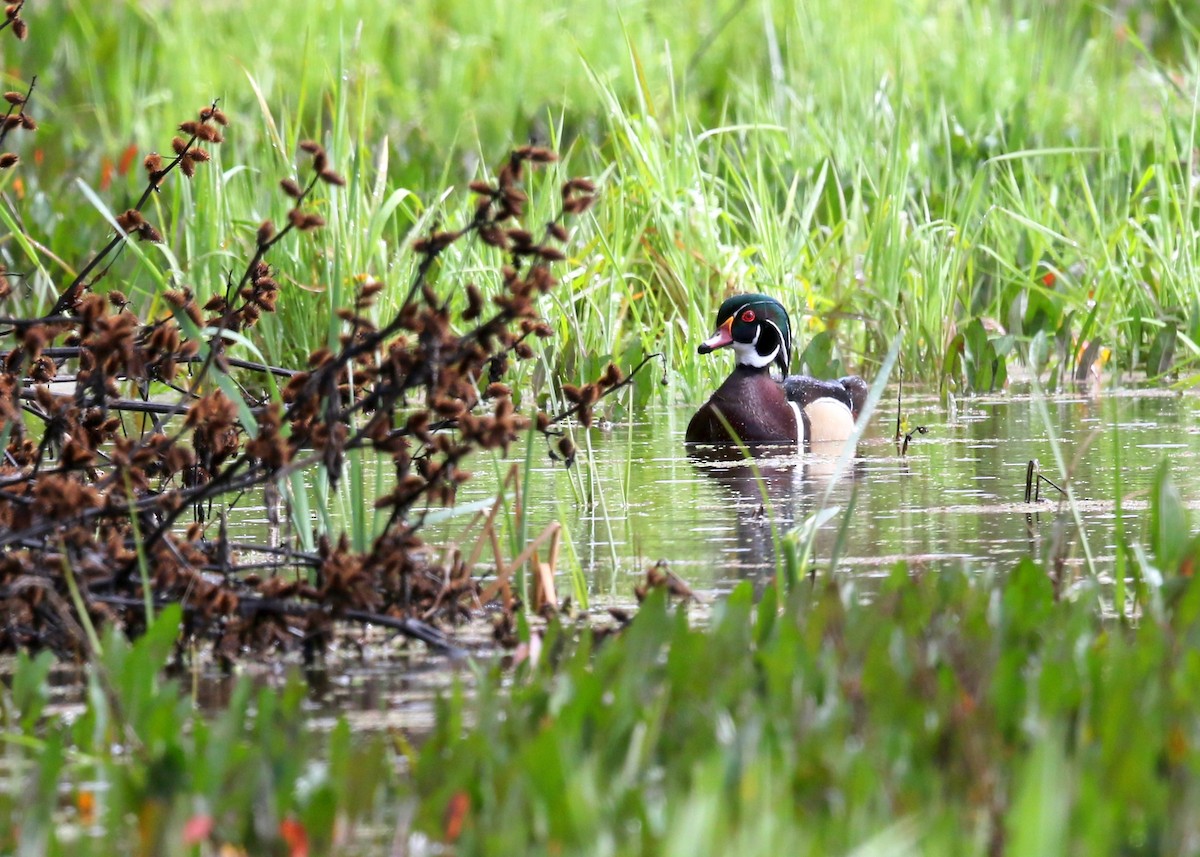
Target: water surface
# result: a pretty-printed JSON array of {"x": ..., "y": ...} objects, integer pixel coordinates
[{"x": 956, "y": 497}]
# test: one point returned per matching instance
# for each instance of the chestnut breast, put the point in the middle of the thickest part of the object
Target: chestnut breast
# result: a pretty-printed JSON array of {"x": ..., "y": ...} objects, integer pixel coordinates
[{"x": 755, "y": 406}]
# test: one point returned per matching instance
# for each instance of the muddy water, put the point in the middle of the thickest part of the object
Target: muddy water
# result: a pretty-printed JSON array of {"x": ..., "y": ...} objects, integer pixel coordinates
[{"x": 956, "y": 497}]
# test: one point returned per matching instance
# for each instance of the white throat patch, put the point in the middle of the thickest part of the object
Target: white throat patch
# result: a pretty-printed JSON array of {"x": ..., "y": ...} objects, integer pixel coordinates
[{"x": 747, "y": 356}]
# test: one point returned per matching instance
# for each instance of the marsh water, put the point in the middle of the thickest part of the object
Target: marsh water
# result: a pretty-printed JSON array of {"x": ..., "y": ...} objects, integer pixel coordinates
[{"x": 956, "y": 497}]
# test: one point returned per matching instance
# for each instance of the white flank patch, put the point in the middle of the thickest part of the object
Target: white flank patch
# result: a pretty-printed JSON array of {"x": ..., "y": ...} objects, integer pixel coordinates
[{"x": 830, "y": 420}]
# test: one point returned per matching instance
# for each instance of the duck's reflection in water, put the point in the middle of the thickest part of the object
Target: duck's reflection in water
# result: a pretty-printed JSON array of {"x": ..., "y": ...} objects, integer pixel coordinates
[{"x": 771, "y": 491}]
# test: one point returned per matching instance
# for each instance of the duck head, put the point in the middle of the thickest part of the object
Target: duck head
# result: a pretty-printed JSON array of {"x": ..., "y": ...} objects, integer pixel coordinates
[{"x": 758, "y": 329}]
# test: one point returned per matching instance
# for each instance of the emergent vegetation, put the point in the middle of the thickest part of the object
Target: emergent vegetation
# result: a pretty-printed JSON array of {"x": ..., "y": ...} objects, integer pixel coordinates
[{"x": 972, "y": 189}]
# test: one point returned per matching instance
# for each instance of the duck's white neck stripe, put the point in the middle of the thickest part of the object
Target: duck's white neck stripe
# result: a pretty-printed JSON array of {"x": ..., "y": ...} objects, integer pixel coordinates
[
  {"x": 783, "y": 343},
  {"x": 799, "y": 425}
]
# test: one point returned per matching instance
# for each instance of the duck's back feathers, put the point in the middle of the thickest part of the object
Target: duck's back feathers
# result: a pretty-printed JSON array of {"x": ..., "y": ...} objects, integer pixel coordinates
[{"x": 850, "y": 391}]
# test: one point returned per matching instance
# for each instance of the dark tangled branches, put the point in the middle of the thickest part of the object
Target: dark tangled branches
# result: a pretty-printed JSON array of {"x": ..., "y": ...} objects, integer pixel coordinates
[{"x": 107, "y": 492}]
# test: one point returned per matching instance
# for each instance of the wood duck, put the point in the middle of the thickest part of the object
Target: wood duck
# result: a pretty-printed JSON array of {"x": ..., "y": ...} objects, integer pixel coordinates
[{"x": 809, "y": 412}]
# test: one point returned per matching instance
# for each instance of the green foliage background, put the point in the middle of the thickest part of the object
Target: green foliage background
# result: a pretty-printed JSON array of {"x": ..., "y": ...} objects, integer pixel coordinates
[
  {"x": 905, "y": 165},
  {"x": 1001, "y": 182}
]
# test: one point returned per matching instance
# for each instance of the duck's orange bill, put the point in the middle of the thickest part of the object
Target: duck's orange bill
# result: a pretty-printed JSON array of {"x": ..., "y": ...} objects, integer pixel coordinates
[{"x": 723, "y": 337}]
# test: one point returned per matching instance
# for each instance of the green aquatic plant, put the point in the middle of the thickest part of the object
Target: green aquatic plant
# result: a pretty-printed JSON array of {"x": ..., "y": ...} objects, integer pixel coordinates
[
  {"x": 140, "y": 771},
  {"x": 973, "y": 711}
]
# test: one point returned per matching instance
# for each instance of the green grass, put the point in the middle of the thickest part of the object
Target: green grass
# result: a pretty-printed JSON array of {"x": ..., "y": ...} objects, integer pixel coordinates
[
  {"x": 986, "y": 179},
  {"x": 881, "y": 166}
]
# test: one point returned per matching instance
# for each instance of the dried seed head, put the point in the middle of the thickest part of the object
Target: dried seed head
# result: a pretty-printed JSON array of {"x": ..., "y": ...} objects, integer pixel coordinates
[
  {"x": 146, "y": 232},
  {"x": 27, "y": 122},
  {"x": 520, "y": 237},
  {"x": 330, "y": 177},
  {"x": 474, "y": 303},
  {"x": 130, "y": 220},
  {"x": 20, "y": 29},
  {"x": 16, "y": 98},
  {"x": 212, "y": 114},
  {"x": 266, "y": 231},
  {"x": 435, "y": 243},
  {"x": 578, "y": 204},
  {"x": 578, "y": 185},
  {"x": 535, "y": 154},
  {"x": 291, "y": 188},
  {"x": 209, "y": 134},
  {"x": 493, "y": 236},
  {"x": 311, "y": 146},
  {"x": 43, "y": 370},
  {"x": 179, "y": 145},
  {"x": 8, "y": 159}
]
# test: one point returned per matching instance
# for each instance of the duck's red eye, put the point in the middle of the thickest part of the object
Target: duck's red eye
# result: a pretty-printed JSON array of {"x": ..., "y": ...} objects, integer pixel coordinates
[{"x": 748, "y": 315}]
